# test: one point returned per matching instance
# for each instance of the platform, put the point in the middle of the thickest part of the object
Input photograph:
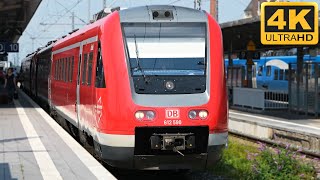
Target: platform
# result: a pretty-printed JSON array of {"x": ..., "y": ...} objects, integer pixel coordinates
[
  {"x": 278, "y": 127},
  {"x": 33, "y": 146}
]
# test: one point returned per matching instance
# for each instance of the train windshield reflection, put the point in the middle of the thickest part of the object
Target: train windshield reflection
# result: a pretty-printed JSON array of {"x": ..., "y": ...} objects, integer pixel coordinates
[{"x": 163, "y": 49}]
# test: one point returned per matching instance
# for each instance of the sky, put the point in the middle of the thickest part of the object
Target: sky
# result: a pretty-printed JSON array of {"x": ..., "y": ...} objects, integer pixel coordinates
[{"x": 53, "y": 18}]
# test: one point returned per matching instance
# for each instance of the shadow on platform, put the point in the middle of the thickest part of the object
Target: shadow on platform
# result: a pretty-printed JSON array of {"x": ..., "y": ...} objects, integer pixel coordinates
[
  {"x": 17, "y": 139},
  {"x": 5, "y": 173}
]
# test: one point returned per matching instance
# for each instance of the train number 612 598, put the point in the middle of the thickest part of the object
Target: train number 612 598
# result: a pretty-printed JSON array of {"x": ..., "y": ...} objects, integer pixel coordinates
[{"x": 172, "y": 122}]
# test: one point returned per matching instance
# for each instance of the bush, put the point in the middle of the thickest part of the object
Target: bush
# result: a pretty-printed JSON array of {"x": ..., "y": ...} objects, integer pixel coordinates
[
  {"x": 234, "y": 162},
  {"x": 280, "y": 163},
  {"x": 245, "y": 161}
]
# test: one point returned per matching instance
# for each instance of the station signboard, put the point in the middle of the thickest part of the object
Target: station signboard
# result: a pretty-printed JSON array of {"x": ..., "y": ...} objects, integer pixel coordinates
[
  {"x": 9, "y": 47},
  {"x": 249, "y": 55}
]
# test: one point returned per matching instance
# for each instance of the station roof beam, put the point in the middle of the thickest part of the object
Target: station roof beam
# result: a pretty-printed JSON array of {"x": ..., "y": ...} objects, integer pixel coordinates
[{"x": 14, "y": 17}]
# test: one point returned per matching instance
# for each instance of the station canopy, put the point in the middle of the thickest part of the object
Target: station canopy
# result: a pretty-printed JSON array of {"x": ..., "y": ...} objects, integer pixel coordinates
[
  {"x": 14, "y": 18},
  {"x": 237, "y": 34}
]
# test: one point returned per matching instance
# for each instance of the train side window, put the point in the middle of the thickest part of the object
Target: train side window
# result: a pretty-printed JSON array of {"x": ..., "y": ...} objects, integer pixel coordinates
[
  {"x": 59, "y": 68},
  {"x": 63, "y": 69},
  {"x": 276, "y": 74},
  {"x": 72, "y": 67},
  {"x": 55, "y": 69},
  {"x": 67, "y": 69},
  {"x": 90, "y": 68},
  {"x": 281, "y": 72},
  {"x": 100, "y": 80},
  {"x": 286, "y": 74},
  {"x": 57, "y": 63},
  {"x": 260, "y": 71},
  {"x": 268, "y": 70},
  {"x": 84, "y": 68}
]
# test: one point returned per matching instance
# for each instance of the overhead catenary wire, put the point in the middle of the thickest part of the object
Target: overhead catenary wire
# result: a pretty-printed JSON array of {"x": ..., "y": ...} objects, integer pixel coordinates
[
  {"x": 111, "y": 4},
  {"x": 68, "y": 10},
  {"x": 74, "y": 15},
  {"x": 174, "y": 2}
]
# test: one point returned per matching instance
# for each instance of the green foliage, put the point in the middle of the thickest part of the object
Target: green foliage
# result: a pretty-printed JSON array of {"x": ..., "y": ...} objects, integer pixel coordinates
[
  {"x": 234, "y": 162},
  {"x": 245, "y": 161},
  {"x": 281, "y": 163}
]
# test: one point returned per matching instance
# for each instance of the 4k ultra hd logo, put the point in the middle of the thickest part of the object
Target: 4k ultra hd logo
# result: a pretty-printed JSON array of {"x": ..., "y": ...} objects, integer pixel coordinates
[{"x": 289, "y": 23}]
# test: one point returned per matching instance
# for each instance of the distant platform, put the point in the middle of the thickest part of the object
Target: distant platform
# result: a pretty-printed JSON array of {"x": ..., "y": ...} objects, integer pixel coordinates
[
  {"x": 280, "y": 127},
  {"x": 33, "y": 146}
]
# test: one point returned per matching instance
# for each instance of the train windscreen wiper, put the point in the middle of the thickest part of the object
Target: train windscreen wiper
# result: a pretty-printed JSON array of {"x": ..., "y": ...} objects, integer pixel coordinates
[{"x": 138, "y": 60}]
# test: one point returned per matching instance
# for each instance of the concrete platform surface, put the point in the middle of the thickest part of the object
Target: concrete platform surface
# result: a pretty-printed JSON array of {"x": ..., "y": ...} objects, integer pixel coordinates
[
  {"x": 299, "y": 131},
  {"x": 33, "y": 146},
  {"x": 294, "y": 122}
]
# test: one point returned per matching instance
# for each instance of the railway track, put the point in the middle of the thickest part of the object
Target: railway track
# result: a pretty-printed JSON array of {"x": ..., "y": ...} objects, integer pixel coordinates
[{"x": 255, "y": 141}]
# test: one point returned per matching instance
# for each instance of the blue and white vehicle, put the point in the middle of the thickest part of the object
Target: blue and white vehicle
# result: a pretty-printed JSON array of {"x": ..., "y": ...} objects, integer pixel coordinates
[{"x": 272, "y": 72}]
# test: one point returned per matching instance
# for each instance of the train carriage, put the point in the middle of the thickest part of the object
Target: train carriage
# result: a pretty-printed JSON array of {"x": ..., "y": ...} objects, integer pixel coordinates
[{"x": 145, "y": 87}]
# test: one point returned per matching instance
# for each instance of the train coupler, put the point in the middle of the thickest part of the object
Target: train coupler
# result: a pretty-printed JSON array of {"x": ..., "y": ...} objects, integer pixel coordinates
[{"x": 173, "y": 142}]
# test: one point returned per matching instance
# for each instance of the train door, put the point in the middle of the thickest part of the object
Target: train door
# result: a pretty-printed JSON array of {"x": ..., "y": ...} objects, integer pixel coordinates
[
  {"x": 72, "y": 85},
  {"x": 85, "y": 86}
]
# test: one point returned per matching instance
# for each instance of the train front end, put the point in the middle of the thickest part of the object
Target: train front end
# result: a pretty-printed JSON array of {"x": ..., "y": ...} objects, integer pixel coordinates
[{"x": 168, "y": 95}]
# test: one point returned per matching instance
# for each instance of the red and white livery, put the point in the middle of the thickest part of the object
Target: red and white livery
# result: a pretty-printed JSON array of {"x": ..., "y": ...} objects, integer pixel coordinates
[{"x": 144, "y": 86}]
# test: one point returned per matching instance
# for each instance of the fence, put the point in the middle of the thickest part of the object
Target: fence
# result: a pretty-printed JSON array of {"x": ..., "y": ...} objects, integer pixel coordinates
[
  {"x": 304, "y": 90},
  {"x": 235, "y": 76},
  {"x": 260, "y": 99}
]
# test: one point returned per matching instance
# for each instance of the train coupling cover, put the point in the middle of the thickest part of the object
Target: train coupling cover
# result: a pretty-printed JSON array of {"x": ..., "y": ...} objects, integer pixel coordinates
[{"x": 173, "y": 142}]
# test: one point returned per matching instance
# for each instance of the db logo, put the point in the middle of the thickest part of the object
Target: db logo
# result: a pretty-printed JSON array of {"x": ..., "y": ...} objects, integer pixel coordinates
[{"x": 172, "y": 113}]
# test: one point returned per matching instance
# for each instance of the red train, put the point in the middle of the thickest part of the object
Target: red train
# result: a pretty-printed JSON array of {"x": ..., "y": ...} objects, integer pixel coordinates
[{"x": 144, "y": 87}]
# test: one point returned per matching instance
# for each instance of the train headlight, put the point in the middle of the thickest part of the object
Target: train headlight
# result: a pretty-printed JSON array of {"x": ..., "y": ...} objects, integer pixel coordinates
[
  {"x": 150, "y": 115},
  {"x": 139, "y": 115},
  {"x": 169, "y": 85},
  {"x": 203, "y": 114},
  {"x": 192, "y": 114}
]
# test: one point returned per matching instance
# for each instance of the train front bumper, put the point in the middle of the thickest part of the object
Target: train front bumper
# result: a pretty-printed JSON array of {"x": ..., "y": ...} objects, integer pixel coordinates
[{"x": 125, "y": 151}]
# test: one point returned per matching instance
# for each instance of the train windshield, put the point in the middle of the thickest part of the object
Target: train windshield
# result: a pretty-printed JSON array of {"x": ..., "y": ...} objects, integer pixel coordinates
[{"x": 166, "y": 48}]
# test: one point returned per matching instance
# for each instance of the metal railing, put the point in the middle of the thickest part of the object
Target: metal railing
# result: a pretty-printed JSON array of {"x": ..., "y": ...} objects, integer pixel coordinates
[
  {"x": 304, "y": 91},
  {"x": 276, "y": 100},
  {"x": 235, "y": 76},
  {"x": 260, "y": 99}
]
